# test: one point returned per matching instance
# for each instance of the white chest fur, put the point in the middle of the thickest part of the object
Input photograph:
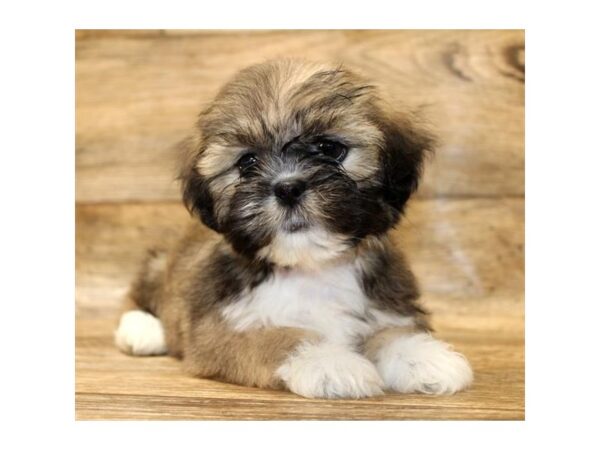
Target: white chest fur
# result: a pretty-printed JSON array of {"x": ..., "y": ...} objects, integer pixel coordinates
[{"x": 329, "y": 301}]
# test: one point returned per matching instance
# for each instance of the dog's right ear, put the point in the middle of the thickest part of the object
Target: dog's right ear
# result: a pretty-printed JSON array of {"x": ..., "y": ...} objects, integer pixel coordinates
[
  {"x": 194, "y": 187},
  {"x": 406, "y": 146}
]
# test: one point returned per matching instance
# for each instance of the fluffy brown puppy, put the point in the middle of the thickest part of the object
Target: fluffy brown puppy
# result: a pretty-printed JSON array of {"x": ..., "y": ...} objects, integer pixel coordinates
[{"x": 300, "y": 171}]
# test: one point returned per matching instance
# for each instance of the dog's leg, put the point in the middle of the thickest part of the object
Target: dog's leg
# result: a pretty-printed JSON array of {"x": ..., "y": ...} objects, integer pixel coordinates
[
  {"x": 414, "y": 361},
  {"x": 279, "y": 357},
  {"x": 140, "y": 332}
]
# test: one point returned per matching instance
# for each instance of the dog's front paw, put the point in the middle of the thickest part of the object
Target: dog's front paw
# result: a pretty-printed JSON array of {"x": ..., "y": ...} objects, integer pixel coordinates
[
  {"x": 330, "y": 371},
  {"x": 421, "y": 363}
]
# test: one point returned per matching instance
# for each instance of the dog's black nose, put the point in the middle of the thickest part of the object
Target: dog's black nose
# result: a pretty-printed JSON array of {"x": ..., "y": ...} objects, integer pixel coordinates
[{"x": 288, "y": 192}]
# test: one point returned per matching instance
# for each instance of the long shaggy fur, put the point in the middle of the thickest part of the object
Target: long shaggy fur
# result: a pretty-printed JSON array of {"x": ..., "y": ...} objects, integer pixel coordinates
[{"x": 300, "y": 170}]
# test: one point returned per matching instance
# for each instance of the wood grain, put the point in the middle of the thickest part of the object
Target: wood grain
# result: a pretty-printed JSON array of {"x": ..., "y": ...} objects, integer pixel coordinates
[
  {"x": 110, "y": 385},
  {"x": 459, "y": 249},
  {"x": 138, "y": 93}
]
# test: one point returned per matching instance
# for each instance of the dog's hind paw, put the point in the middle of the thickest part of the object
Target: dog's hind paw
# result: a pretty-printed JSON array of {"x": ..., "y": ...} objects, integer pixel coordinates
[{"x": 141, "y": 334}]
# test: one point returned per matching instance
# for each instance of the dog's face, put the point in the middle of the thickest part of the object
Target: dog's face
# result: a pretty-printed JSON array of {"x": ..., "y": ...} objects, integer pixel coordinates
[{"x": 296, "y": 163}]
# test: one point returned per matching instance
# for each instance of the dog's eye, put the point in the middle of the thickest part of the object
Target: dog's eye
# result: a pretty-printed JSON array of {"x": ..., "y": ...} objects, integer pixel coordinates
[
  {"x": 332, "y": 149},
  {"x": 247, "y": 161}
]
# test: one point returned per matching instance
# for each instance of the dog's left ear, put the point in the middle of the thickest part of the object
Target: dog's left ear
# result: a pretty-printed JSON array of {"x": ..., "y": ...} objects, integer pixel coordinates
[
  {"x": 194, "y": 187},
  {"x": 405, "y": 147}
]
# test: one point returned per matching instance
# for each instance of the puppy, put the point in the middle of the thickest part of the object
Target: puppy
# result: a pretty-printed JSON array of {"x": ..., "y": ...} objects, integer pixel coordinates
[{"x": 300, "y": 171}]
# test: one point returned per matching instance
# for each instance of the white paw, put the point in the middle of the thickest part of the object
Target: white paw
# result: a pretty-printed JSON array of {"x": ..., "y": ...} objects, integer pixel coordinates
[
  {"x": 140, "y": 333},
  {"x": 421, "y": 363},
  {"x": 330, "y": 371}
]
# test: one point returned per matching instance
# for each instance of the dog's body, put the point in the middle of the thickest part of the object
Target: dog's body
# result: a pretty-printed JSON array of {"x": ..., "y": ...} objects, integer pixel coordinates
[{"x": 300, "y": 172}]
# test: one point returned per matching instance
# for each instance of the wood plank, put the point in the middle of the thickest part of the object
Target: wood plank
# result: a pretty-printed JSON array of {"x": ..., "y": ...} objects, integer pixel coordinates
[
  {"x": 110, "y": 385},
  {"x": 138, "y": 92},
  {"x": 462, "y": 251}
]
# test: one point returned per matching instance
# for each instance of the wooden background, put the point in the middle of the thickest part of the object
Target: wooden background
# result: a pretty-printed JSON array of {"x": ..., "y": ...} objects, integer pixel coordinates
[{"x": 138, "y": 92}]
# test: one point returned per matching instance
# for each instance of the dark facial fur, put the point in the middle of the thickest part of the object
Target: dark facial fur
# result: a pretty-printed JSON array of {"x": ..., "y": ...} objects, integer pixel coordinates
[{"x": 278, "y": 114}]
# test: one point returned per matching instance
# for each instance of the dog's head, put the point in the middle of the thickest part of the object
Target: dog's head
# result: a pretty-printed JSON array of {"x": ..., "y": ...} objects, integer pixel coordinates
[{"x": 296, "y": 163}]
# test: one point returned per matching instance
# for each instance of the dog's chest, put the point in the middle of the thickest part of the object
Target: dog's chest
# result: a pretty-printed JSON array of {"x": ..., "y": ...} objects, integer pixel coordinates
[{"x": 329, "y": 301}]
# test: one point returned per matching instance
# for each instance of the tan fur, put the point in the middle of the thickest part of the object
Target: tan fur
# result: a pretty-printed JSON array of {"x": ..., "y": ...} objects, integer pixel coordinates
[
  {"x": 193, "y": 249},
  {"x": 209, "y": 347},
  {"x": 249, "y": 358},
  {"x": 288, "y": 77}
]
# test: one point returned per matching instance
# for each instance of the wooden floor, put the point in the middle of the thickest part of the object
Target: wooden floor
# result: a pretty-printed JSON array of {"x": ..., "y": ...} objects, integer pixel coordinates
[{"x": 138, "y": 93}]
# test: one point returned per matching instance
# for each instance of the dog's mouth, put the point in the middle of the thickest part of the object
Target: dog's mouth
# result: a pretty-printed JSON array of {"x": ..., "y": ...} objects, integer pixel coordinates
[{"x": 294, "y": 225}]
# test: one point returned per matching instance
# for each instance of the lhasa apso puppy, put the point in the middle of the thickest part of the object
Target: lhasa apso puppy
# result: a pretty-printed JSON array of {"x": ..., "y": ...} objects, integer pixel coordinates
[{"x": 301, "y": 171}]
